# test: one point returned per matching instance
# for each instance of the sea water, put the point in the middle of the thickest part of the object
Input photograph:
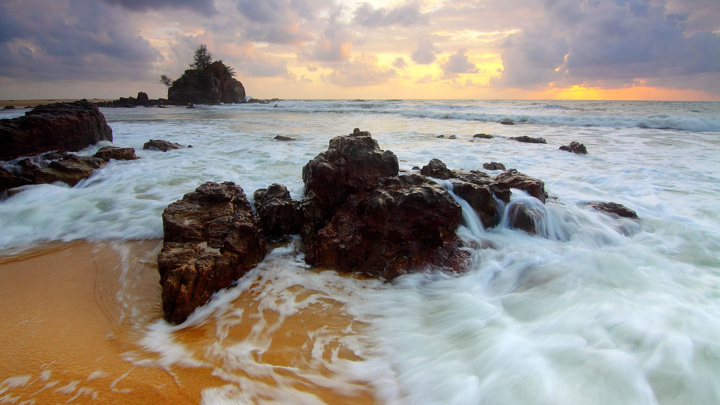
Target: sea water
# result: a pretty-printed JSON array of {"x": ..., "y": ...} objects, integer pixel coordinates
[{"x": 594, "y": 309}]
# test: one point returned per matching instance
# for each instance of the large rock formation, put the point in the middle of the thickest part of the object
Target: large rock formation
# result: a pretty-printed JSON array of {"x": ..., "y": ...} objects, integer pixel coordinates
[
  {"x": 212, "y": 238},
  {"x": 59, "y": 126},
  {"x": 69, "y": 170},
  {"x": 279, "y": 214},
  {"x": 212, "y": 85}
]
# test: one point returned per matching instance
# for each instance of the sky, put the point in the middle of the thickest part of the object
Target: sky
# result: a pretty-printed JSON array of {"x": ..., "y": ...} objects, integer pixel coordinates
[{"x": 350, "y": 49}]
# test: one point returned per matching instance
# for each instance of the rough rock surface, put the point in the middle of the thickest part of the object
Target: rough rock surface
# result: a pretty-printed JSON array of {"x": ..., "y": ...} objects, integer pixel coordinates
[
  {"x": 159, "y": 144},
  {"x": 482, "y": 136},
  {"x": 59, "y": 126},
  {"x": 614, "y": 209},
  {"x": 69, "y": 170},
  {"x": 494, "y": 166},
  {"x": 9, "y": 180},
  {"x": 212, "y": 85},
  {"x": 112, "y": 152},
  {"x": 279, "y": 214},
  {"x": 406, "y": 223},
  {"x": 528, "y": 139},
  {"x": 575, "y": 147},
  {"x": 212, "y": 238},
  {"x": 514, "y": 179}
]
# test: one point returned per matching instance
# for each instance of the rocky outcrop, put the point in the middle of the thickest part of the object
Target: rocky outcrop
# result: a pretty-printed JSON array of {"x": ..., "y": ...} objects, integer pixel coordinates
[
  {"x": 575, "y": 147},
  {"x": 161, "y": 145},
  {"x": 405, "y": 224},
  {"x": 528, "y": 139},
  {"x": 494, "y": 166},
  {"x": 212, "y": 238},
  {"x": 483, "y": 136},
  {"x": 9, "y": 180},
  {"x": 514, "y": 179},
  {"x": 212, "y": 85},
  {"x": 614, "y": 209},
  {"x": 112, "y": 152},
  {"x": 142, "y": 100},
  {"x": 60, "y": 126},
  {"x": 279, "y": 214},
  {"x": 69, "y": 170}
]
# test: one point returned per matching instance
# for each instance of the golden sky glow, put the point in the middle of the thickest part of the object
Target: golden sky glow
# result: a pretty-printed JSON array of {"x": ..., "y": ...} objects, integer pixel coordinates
[{"x": 440, "y": 49}]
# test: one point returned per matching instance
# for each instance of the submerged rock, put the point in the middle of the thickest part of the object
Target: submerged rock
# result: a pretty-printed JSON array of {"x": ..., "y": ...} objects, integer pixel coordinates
[
  {"x": 69, "y": 170},
  {"x": 59, "y": 126},
  {"x": 283, "y": 138},
  {"x": 113, "y": 152},
  {"x": 614, "y": 209},
  {"x": 575, "y": 147},
  {"x": 159, "y": 144},
  {"x": 212, "y": 238},
  {"x": 528, "y": 139}
]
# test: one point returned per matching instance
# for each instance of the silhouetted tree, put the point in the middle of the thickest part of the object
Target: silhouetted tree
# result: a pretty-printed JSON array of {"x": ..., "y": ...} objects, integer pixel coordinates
[
  {"x": 166, "y": 80},
  {"x": 203, "y": 58}
]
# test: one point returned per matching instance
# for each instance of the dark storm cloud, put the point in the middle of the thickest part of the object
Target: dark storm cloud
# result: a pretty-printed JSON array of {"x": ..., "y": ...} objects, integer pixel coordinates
[
  {"x": 404, "y": 15},
  {"x": 206, "y": 7},
  {"x": 594, "y": 41},
  {"x": 70, "y": 40}
]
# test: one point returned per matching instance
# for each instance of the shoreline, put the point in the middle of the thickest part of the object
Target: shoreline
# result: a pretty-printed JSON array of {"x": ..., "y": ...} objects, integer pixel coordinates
[
  {"x": 78, "y": 321},
  {"x": 37, "y": 102}
]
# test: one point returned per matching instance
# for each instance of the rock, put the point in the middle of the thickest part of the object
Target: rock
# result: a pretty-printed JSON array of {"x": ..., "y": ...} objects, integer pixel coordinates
[
  {"x": 407, "y": 223},
  {"x": 9, "y": 107},
  {"x": 514, "y": 179},
  {"x": 69, "y": 170},
  {"x": 60, "y": 126},
  {"x": 528, "y": 139},
  {"x": 494, "y": 166},
  {"x": 111, "y": 152},
  {"x": 524, "y": 216},
  {"x": 507, "y": 121},
  {"x": 440, "y": 137},
  {"x": 54, "y": 155},
  {"x": 212, "y": 85},
  {"x": 614, "y": 209},
  {"x": 211, "y": 239},
  {"x": 159, "y": 144},
  {"x": 283, "y": 138},
  {"x": 279, "y": 214},
  {"x": 437, "y": 169},
  {"x": 575, "y": 147},
  {"x": 480, "y": 198},
  {"x": 8, "y": 180},
  {"x": 482, "y": 136},
  {"x": 142, "y": 98},
  {"x": 452, "y": 137}
]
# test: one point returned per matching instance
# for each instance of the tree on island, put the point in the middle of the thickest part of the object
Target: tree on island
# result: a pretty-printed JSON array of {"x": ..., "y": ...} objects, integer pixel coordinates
[{"x": 206, "y": 82}]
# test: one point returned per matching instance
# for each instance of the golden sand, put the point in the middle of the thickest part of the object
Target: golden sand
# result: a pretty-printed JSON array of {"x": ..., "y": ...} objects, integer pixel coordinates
[{"x": 73, "y": 315}]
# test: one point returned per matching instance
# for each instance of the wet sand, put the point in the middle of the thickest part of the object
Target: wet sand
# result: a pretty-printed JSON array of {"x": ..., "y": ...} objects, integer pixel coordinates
[{"x": 74, "y": 315}]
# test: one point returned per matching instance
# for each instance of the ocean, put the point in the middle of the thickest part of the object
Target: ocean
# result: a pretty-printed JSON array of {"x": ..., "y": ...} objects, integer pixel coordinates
[{"x": 593, "y": 310}]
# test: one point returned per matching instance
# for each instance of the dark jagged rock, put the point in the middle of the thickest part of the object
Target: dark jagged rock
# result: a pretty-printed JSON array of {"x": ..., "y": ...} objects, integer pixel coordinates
[
  {"x": 111, "y": 152},
  {"x": 614, "y": 209},
  {"x": 279, "y": 214},
  {"x": 406, "y": 223},
  {"x": 575, "y": 147},
  {"x": 9, "y": 107},
  {"x": 212, "y": 85},
  {"x": 60, "y": 126},
  {"x": 528, "y": 139},
  {"x": 437, "y": 169},
  {"x": 211, "y": 239},
  {"x": 482, "y": 136},
  {"x": 69, "y": 170},
  {"x": 480, "y": 198},
  {"x": 507, "y": 121},
  {"x": 494, "y": 166},
  {"x": 159, "y": 144},
  {"x": 514, "y": 179},
  {"x": 9, "y": 180},
  {"x": 351, "y": 164},
  {"x": 525, "y": 217},
  {"x": 142, "y": 100},
  {"x": 283, "y": 138}
]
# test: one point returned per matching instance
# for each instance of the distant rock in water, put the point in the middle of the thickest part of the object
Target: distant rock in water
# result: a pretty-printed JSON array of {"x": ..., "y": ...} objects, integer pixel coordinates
[
  {"x": 113, "y": 152},
  {"x": 211, "y": 85},
  {"x": 161, "y": 145},
  {"x": 507, "y": 121},
  {"x": 528, "y": 139},
  {"x": 614, "y": 209},
  {"x": 283, "y": 138},
  {"x": 142, "y": 100},
  {"x": 482, "y": 136},
  {"x": 575, "y": 147},
  {"x": 212, "y": 238},
  {"x": 493, "y": 166},
  {"x": 59, "y": 126}
]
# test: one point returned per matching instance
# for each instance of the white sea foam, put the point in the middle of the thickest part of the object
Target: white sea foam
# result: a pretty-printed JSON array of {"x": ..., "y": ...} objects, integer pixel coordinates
[{"x": 593, "y": 310}]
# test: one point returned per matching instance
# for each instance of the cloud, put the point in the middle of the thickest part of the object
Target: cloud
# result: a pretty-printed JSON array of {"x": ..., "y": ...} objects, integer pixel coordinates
[
  {"x": 589, "y": 41},
  {"x": 333, "y": 45},
  {"x": 425, "y": 53},
  {"x": 399, "y": 63},
  {"x": 280, "y": 21},
  {"x": 405, "y": 15},
  {"x": 255, "y": 64},
  {"x": 458, "y": 63},
  {"x": 206, "y": 7},
  {"x": 361, "y": 71},
  {"x": 71, "y": 40}
]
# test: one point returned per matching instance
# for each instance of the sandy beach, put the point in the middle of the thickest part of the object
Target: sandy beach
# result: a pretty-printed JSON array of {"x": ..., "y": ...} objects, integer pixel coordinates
[{"x": 75, "y": 312}]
